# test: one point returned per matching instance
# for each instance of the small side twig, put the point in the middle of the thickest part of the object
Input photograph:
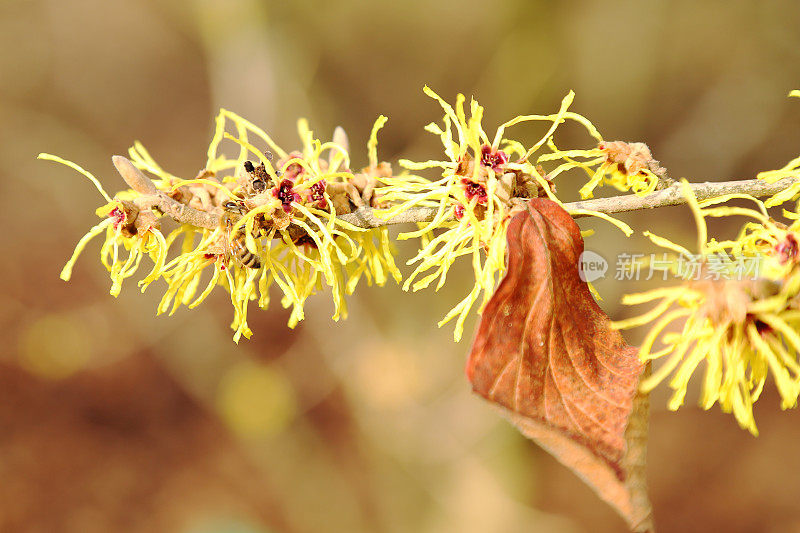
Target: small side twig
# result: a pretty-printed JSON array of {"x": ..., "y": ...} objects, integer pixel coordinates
[
  {"x": 673, "y": 195},
  {"x": 154, "y": 198}
]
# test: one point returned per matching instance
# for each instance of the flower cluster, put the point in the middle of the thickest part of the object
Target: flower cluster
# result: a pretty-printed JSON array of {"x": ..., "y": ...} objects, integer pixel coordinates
[
  {"x": 270, "y": 217},
  {"x": 258, "y": 216},
  {"x": 275, "y": 222},
  {"x": 483, "y": 183},
  {"x": 744, "y": 329}
]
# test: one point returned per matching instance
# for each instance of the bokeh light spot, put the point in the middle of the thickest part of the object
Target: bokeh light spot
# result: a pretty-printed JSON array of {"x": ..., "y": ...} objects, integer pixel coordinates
[
  {"x": 255, "y": 400},
  {"x": 55, "y": 346}
]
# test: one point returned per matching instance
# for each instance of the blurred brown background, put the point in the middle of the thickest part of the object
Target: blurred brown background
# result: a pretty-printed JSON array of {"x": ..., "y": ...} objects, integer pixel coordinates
[{"x": 112, "y": 419}]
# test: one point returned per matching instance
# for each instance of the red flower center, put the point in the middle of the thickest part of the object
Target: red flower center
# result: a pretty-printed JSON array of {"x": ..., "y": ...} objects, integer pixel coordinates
[
  {"x": 788, "y": 249},
  {"x": 317, "y": 194},
  {"x": 286, "y": 195},
  {"x": 118, "y": 216},
  {"x": 495, "y": 160},
  {"x": 474, "y": 190}
]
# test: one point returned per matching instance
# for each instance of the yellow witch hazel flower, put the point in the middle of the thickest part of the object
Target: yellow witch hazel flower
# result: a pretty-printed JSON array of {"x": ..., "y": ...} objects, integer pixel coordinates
[
  {"x": 790, "y": 170},
  {"x": 299, "y": 202},
  {"x": 742, "y": 322},
  {"x": 126, "y": 230},
  {"x": 624, "y": 166},
  {"x": 482, "y": 185},
  {"x": 275, "y": 222},
  {"x": 375, "y": 260}
]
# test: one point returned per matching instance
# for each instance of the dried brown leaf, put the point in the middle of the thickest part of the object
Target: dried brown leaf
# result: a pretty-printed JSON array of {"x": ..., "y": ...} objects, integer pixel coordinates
[{"x": 546, "y": 355}]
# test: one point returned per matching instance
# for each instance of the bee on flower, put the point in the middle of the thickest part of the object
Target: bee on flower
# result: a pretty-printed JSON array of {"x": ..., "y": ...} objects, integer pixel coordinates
[
  {"x": 252, "y": 220},
  {"x": 743, "y": 328},
  {"x": 483, "y": 183}
]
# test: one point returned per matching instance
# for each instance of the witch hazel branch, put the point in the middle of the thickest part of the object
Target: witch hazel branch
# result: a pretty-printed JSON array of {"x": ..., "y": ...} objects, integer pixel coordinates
[{"x": 258, "y": 221}]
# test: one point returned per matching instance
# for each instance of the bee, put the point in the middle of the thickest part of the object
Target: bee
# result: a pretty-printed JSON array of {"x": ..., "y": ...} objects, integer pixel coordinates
[
  {"x": 260, "y": 180},
  {"x": 235, "y": 246}
]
